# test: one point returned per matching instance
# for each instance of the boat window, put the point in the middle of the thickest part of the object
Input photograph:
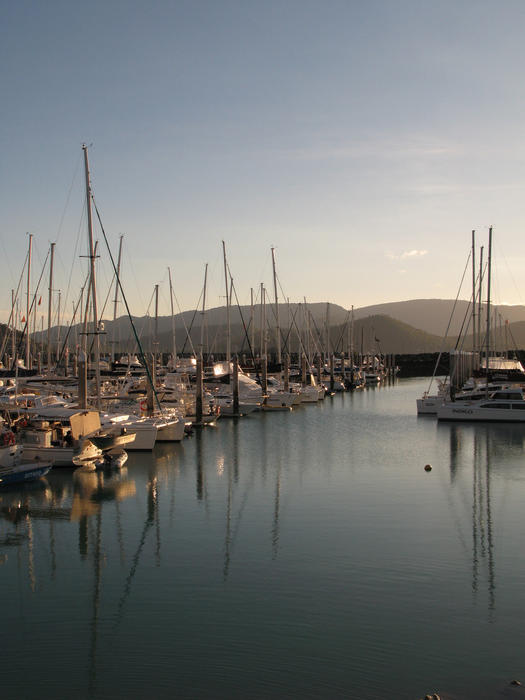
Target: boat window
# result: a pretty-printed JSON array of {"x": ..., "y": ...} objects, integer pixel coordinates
[
  {"x": 470, "y": 397},
  {"x": 494, "y": 404},
  {"x": 518, "y": 406}
]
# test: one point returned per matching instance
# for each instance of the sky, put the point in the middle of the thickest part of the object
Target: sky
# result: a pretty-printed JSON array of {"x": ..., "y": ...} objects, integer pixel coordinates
[{"x": 364, "y": 141}]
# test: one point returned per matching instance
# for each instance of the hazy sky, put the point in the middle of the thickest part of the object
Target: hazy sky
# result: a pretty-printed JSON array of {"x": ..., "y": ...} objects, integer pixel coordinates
[{"x": 364, "y": 140}]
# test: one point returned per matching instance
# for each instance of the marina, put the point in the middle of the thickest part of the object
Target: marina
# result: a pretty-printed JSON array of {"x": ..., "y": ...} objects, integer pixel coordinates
[
  {"x": 262, "y": 351},
  {"x": 306, "y": 554}
]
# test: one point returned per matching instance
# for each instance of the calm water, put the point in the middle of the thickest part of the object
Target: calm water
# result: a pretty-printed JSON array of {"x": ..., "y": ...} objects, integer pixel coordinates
[{"x": 302, "y": 555}]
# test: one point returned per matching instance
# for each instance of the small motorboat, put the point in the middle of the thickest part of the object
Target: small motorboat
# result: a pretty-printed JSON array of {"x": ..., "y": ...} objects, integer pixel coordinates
[
  {"x": 13, "y": 468},
  {"x": 115, "y": 459}
]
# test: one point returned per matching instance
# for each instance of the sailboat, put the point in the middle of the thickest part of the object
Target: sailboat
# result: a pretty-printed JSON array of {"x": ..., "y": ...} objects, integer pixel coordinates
[
  {"x": 506, "y": 404},
  {"x": 429, "y": 403}
]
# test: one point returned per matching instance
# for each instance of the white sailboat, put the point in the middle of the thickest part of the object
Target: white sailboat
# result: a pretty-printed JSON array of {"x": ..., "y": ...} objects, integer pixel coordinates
[{"x": 505, "y": 405}]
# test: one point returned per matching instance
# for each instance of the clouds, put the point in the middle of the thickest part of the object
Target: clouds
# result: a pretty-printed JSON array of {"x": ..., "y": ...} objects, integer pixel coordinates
[{"x": 407, "y": 255}]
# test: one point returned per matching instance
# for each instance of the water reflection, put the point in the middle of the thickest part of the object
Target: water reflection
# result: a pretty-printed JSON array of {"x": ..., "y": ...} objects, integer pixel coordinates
[
  {"x": 275, "y": 528},
  {"x": 236, "y": 477},
  {"x": 232, "y": 473},
  {"x": 200, "y": 469},
  {"x": 482, "y": 450},
  {"x": 75, "y": 499}
]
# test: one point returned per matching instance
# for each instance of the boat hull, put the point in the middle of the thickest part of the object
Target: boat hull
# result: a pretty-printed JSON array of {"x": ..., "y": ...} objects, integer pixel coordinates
[
  {"x": 473, "y": 413},
  {"x": 429, "y": 406},
  {"x": 24, "y": 472},
  {"x": 172, "y": 431},
  {"x": 63, "y": 456}
]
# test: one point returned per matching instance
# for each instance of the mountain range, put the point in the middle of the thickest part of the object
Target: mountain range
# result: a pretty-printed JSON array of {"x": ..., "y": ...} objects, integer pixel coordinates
[{"x": 414, "y": 326}]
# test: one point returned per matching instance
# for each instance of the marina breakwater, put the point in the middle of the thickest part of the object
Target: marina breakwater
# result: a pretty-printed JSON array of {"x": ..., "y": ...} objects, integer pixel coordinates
[{"x": 423, "y": 364}]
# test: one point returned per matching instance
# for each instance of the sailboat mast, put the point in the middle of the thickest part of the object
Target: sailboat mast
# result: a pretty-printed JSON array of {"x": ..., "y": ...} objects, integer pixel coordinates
[
  {"x": 489, "y": 265},
  {"x": 327, "y": 330},
  {"x": 28, "y": 342},
  {"x": 262, "y": 320},
  {"x": 351, "y": 353},
  {"x": 156, "y": 338},
  {"x": 15, "y": 323},
  {"x": 277, "y": 328},
  {"x": 58, "y": 325},
  {"x": 115, "y": 300},
  {"x": 203, "y": 312},
  {"x": 34, "y": 319},
  {"x": 480, "y": 296},
  {"x": 174, "y": 346},
  {"x": 264, "y": 337},
  {"x": 474, "y": 299},
  {"x": 228, "y": 328},
  {"x": 50, "y": 306},
  {"x": 308, "y": 343},
  {"x": 93, "y": 275},
  {"x": 252, "y": 323}
]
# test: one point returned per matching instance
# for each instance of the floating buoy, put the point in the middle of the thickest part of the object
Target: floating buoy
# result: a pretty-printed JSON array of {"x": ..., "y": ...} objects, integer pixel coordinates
[{"x": 428, "y": 467}]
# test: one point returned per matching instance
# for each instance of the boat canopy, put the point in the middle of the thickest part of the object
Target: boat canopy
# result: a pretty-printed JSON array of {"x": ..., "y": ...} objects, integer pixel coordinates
[{"x": 502, "y": 364}]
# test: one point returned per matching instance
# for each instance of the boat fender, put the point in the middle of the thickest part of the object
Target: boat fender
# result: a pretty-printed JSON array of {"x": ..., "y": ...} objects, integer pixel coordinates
[{"x": 8, "y": 438}]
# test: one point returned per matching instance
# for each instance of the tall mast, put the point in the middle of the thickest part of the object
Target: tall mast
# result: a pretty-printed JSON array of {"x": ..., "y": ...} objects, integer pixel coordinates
[
  {"x": 49, "y": 306},
  {"x": 264, "y": 337},
  {"x": 35, "y": 306},
  {"x": 14, "y": 313},
  {"x": 308, "y": 344},
  {"x": 58, "y": 325},
  {"x": 327, "y": 329},
  {"x": 174, "y": 346},
  {"x": 351, "y": 353},
  {"x": 262, "y": 321},
  {"x": 76, "y": 325},
  {"x": 252, "y": 323},
  {"x": 474, "y": 299},
  {"x": 277, "y": 328},
  {"x": 156, "y": 338},
  {"x": 28, "y": 342},
  {"x": 203, "y": 312},
  {"x": 289, "y": 327},
  {"x": 93, "y": 275},
  {"x": 115, "y": 300},
  {"x": 489, "y": 265},
  {"x": 480, "y": 305},
  {"x": 228, "y": 329}
]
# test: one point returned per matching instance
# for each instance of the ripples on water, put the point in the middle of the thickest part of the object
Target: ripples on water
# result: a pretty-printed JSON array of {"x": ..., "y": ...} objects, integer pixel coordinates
[{"x": 302, "y": 555}]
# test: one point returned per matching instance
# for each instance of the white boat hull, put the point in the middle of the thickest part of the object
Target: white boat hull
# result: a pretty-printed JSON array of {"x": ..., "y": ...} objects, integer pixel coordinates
[
  {"x": 145, "y": 437},
  {"x": 429, "y": 405},
  {"x": 62, "y": 456},
  {"x": 455, "y": 412},
  {"x": 171, "y": 431},
  {"x": 279, "y": 401}
]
